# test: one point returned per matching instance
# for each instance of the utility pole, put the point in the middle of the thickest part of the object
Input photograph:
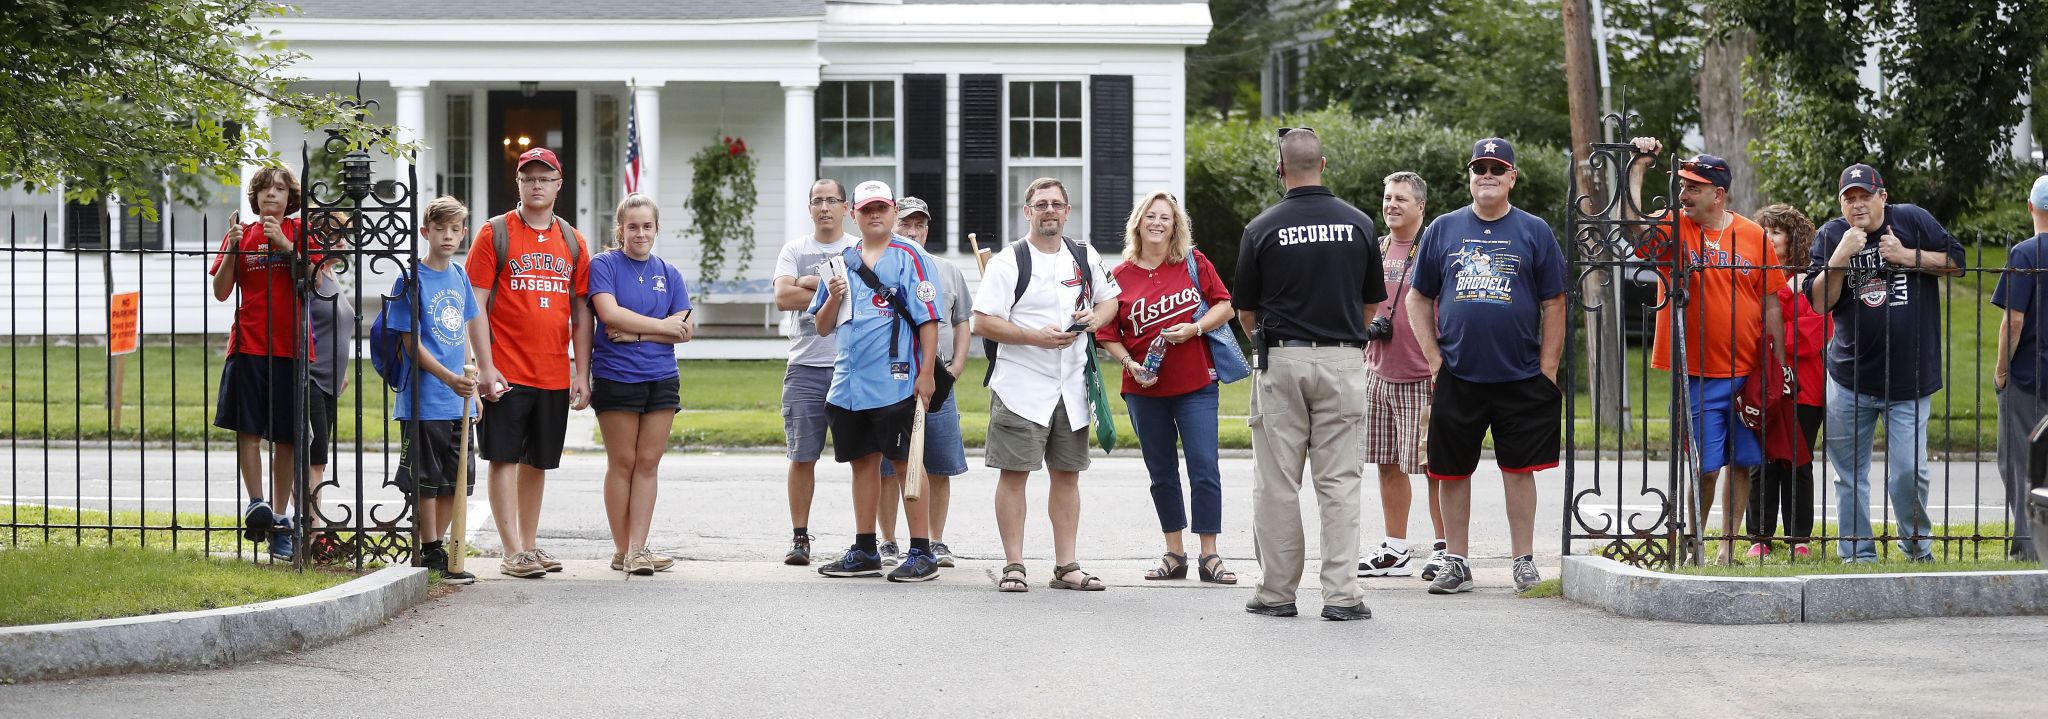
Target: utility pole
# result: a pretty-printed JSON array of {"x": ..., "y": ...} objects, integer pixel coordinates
[{"x": 1603, "y": 328}]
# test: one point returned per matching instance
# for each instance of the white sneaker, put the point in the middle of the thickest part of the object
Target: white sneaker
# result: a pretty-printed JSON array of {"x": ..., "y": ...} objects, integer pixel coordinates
[
  {"x": 1435, "y": 563},
  {"x": 1385, "y": 562}
]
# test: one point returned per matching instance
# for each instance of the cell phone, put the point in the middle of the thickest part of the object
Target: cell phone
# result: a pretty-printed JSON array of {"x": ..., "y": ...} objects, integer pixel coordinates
[{"x": 1079, "y": 326}]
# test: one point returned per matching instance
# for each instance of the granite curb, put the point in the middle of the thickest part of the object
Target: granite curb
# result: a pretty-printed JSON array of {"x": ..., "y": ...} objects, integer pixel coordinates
[
  {"x": 1643, "y": 594},
  {"x": 210, "y": 638}
]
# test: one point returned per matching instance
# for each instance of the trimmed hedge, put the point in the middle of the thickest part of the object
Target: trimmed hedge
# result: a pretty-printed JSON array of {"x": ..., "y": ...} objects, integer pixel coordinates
[{"x": 1230, "y": 171}]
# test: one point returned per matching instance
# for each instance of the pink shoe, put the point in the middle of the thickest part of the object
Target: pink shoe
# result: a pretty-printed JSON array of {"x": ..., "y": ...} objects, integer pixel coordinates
[
  {"x": 1759, "y": 551},
  {"x": 1800, "y": 552}
]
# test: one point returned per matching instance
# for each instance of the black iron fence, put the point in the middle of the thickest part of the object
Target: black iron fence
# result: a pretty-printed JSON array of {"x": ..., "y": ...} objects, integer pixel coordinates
[
  {"x": 1636, "y": 446},
  {"x": 115, "y": 354}
]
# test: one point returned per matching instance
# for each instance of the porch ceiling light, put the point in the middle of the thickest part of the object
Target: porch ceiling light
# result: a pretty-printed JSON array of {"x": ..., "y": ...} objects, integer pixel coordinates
[{"x": 529, "y": 89}]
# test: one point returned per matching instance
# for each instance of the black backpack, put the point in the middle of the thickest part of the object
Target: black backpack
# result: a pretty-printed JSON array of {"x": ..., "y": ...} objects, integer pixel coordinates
[{"x": 1023, "y": 255}]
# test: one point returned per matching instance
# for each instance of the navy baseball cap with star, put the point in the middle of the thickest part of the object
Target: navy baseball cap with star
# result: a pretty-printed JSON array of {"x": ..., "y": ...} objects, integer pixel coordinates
[
  {"x": 1708, "y": 169},
  {"x": 1863, "y": 176},
  {"x": 1493, "y": 148}
]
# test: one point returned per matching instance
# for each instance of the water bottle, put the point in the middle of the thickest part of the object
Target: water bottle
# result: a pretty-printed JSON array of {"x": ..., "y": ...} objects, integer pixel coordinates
[{"x": 1155, "y": 354}]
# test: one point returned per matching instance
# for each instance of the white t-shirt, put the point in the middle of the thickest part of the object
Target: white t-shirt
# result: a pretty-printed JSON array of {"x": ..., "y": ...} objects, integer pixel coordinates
[
  {"x": 800, "y": 258},
  {"x": 1032, "y": 381}
]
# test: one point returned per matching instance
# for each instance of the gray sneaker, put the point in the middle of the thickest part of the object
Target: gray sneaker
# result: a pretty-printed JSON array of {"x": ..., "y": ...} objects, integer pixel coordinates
[
  {"x": 943, "y": 553},
  {"x": 1455, "y": 577},
  {"x": 1525, "y": 573},
  {"x": 891, "y": 554},
  {"x": 1435, "y": 563}
]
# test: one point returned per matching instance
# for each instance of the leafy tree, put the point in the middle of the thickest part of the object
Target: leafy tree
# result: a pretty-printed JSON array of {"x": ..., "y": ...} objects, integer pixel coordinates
[
  {"x": 1653, "y": 49},
  {"x": 124, "y": 96},
  {"x": 1223, "y": 74},
  {"x": 1950, "y": 75}
]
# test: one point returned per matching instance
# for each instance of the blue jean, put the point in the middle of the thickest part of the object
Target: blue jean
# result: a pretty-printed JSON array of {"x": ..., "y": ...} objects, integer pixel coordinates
[
  {"x": 1851, "y": 427},
  {"x": 1191, "y": 419}
]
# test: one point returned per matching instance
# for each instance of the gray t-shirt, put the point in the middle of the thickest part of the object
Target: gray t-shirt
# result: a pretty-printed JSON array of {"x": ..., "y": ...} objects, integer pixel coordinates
[
  {"x": 800, "y": 258},
  {"x": 959, "y": 307},
  {"x": 334, "y": 334}
]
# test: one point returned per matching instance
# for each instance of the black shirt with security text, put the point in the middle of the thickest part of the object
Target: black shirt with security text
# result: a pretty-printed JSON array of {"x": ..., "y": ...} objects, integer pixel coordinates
[{"x": 1309, "y": 265}]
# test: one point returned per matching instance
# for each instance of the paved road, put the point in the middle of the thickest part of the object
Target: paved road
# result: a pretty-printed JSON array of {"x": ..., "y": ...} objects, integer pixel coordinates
[{"x": 756, "y": 639}]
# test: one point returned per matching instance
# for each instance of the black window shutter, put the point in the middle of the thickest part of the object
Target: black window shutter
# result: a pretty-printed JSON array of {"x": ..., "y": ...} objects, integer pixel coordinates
[
  {"x": 1110, "y": 191},
  {"x": 981, "y": 160},
  {"x": 924, "y": 147}
]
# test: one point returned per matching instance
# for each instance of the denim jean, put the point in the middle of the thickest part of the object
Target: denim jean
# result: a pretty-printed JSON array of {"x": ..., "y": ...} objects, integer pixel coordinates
[
  {"x": 1191, "y": 419},
  {"x": 1851, "y": 427}
]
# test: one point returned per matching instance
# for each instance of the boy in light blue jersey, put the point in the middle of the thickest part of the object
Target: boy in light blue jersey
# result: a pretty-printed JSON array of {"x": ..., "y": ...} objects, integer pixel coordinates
[
  {"x": 881, "y": 370},
  {"x": 429, "y": 404}
]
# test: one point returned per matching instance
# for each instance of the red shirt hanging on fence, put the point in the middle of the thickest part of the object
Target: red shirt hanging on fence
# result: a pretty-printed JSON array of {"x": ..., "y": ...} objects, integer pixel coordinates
[{"x": 269, "y": 312}]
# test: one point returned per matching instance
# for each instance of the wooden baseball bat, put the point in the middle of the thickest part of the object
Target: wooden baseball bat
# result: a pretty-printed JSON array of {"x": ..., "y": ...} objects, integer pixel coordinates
[
  {"x": 980, "y": 255},
  {"x": 457, "y": 546},
  {"x": 913, "y": 471}
]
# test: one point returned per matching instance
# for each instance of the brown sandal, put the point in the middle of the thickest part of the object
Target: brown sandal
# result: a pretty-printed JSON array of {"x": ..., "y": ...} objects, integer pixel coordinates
[
  {"x": 1171, "y": 566},
  {"x": 1008, "y": 583},
  {"x": 1213, "y": 571},
  {"x": 1088, "y": 583}
]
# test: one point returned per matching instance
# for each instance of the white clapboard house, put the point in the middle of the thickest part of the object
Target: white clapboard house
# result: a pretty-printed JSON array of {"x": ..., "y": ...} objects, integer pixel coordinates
[{"x": 960, "y": 102}]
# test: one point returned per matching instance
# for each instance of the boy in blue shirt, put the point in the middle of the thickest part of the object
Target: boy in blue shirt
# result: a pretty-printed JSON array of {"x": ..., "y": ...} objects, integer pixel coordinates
[
  {"x": 430, "y": 402},
  {"x": 878, "y": 367}
]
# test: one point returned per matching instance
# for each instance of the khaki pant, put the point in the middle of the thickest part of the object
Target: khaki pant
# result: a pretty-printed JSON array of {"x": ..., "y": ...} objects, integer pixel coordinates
[{"x": 1307, "y": 405}]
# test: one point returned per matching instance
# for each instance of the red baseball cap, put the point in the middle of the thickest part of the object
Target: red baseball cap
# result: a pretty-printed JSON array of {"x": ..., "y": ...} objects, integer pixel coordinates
[{"x": 538, "y": 154}]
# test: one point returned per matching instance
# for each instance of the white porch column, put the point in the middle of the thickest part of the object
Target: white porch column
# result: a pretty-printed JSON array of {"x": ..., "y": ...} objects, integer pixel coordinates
[
  {"x": 412, "y": 126},
  {"x": 262, "y": 122},
  {"x": 800, "y": 154},
  {"x": 647, "y": 99}
]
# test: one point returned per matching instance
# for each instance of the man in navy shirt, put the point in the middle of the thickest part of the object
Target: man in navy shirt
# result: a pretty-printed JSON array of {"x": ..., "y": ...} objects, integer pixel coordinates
[
  {"x": 1881, "y": 261},
  {"x": 880, "y": 365},
  {"x": 1487, "y": 306},
  {"x": 2022, "y": 364}
]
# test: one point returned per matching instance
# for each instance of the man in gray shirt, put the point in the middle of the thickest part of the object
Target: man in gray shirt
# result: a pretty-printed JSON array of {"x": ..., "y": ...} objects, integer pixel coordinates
[{"x": 810, "y": 356}]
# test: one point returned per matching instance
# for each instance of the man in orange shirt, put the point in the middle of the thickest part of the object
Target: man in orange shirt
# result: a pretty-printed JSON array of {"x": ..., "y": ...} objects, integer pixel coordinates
[
  {"x": 531, "y": 283},
  {"x": 1732, "y": 302}
]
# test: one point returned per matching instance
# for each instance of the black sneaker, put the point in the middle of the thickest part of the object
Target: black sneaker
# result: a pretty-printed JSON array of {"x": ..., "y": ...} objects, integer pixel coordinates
[
  {"x": 891, "y": 555},
  {"x": 918, "y": 566},
  {"x": 799, "y": 552},
  {"x": 1455, "y": 578},
  {"x": 854, "y": 563},
  {"x": 1270, "y": 610},
  {"x": 1338, "y": 613},
  {"x": 434, "y": 557},
  {"x": 942, "y": 553},
  {"x": 1385, "y": 562},
  {"x": 257, "y": 519}
]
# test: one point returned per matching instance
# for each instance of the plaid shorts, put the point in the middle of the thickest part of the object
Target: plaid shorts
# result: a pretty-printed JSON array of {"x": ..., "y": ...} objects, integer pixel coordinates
[{"x": 1393, "y": 423}]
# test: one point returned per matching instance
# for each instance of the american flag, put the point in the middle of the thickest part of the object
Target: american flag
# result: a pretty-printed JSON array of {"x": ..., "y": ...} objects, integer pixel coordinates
[{"x": 632, "y": 172}]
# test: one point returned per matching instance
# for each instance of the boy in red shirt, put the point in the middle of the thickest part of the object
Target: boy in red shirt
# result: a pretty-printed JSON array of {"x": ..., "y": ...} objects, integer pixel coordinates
[
  {"x": 259, "y": 390},
  {"x": 533, "y": 301}
]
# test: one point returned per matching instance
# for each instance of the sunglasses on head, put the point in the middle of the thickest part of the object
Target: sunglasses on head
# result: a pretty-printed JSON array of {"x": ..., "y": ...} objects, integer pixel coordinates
[
  {"x": 1283, "y": 131},
  {"x": 1489, "y": 168},
  {"x": 1699, "y": 165}
]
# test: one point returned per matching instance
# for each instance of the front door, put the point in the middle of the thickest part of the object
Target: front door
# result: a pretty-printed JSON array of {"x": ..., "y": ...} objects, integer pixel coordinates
[{"x": 520, "y": 122}]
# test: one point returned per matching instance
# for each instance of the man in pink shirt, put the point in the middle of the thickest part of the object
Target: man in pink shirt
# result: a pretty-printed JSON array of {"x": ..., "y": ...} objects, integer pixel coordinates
[{"x": 1397, "y": 389}]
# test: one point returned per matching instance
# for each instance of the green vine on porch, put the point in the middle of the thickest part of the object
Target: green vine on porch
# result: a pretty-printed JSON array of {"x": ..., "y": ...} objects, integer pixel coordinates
[{"x": 722, "y": 200}]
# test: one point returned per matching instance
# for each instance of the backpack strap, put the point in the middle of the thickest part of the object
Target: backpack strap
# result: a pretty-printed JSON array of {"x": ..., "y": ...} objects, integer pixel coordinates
[
  {"x": 1022, "y": 254},
  {"x": 501, "y": 241}
]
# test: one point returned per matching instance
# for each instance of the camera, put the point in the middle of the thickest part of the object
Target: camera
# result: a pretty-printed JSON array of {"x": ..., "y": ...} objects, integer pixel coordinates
[{"x": 1382, "y": 327}]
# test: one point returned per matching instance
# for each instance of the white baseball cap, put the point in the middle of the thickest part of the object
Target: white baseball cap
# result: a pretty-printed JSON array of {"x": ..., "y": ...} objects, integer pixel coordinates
[{"x": 873, "y": 191}]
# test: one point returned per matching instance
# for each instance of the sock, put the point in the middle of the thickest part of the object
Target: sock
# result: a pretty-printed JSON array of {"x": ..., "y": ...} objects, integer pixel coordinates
[
  {"x": 1397, "y": 544},
  {"x": 802, "y": 532},
  {"x": 864, "y": 542},
  {"x": 922, "y": 545},
  {"x": 1530, "y": 557},
  {"x": 1437, "y": 544}
]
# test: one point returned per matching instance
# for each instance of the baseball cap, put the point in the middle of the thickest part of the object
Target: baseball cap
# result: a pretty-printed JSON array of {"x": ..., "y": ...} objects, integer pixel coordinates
[
  {"x": 912, "y": 206},
  {"x": 872, "y": 191},
  {"x": 1493, "y": 148},
  {"x": 2039, "y": 196},
  {"x": 540, "y": 155},
  {"x": 1861, "y": 175},
  {"x": 1708, "y": 169}
]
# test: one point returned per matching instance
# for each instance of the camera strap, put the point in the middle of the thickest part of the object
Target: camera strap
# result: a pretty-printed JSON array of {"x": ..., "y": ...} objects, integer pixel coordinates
[{"x": 1407, "y": 270}]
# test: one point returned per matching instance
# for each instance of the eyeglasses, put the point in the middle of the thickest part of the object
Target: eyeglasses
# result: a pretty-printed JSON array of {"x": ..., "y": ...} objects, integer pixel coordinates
[
  {"x": 1283, "y": 131},
  {"x": 1044, "y": 207},
  {"x": 539, "y": 180},
  {"x": 823, "y": 201},
  {"x": 1490, "y": 168}
]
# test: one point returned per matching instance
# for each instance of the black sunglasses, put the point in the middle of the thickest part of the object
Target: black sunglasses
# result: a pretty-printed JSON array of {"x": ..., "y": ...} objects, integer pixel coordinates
[
  {"x": 1283, "y": 131},
  {"x": 1489, "y": 168}
]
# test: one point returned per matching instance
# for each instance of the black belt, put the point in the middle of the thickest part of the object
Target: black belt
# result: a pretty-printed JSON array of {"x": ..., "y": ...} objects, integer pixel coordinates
[{"x": 1318, "y": 343}]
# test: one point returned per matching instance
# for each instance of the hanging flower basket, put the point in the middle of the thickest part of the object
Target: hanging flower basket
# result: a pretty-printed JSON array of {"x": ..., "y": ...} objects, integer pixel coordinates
[{"x": 722, "y": 202}]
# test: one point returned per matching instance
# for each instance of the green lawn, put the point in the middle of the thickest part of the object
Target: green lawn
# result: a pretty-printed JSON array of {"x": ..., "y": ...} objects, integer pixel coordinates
[
  {"x": 184, "y": 532},
  {"x": 1958, "y": 547},
  {"x": 56, "y": 583}
]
